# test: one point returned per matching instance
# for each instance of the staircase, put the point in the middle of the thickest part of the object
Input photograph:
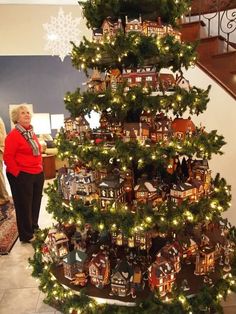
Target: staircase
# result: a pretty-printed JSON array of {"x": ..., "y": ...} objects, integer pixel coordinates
[{"x": 216, "y": 50}]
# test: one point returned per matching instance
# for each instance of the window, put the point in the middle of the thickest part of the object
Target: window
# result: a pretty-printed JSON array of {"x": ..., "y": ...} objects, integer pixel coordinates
[{"x": 149, "y": 78}]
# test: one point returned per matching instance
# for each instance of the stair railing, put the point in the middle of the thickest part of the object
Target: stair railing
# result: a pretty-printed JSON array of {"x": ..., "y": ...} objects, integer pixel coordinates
[{"x": 220, "y": 18}]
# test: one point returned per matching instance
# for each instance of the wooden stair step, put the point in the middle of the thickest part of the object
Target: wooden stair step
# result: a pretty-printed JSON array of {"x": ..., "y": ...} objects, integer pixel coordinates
[
  {"x": 192, "y": 31},
  {"x": 211, "y": 46}
]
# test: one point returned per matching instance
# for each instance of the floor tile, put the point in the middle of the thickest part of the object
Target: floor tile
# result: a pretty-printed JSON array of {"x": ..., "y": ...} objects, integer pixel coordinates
[
  {"x": 2, "y": 291},
  {"x": 42, "y": 307},
  {"x": 19, "y": 301}
]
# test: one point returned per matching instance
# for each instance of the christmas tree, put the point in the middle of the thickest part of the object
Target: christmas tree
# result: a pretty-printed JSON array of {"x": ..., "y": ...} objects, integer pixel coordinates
[{"x": 139, "y": 213}]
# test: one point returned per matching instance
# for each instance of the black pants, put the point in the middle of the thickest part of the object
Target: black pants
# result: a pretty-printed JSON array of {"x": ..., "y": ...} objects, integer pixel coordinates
[{"x": 26, "y": 191}]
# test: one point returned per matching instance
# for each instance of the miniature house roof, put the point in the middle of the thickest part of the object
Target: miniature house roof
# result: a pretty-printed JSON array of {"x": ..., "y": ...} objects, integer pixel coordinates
[
  {"x": 111, "y": 181},
  {"x": 99, "y": 260},
  {"x": 75, "y": 256},
  {"x": 145, "y": 186},
  {"x": 200, "y": 164},
  {"x": 183, "y": 125},
  {"x": 124, "y": 269},
  {"x": 167, "y": 77},
  {"x": 182, "y": 187},
  {"x": 59, "y": 237},
  {"x": 162, "y": 267},
  {"x": 172, "y": 249}
]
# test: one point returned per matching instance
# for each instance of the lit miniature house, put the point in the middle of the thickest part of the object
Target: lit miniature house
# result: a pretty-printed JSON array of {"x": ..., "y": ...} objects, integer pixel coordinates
[
  {"x": 182, "y": 82},
  {"x": 113, "y": 78},
  {"x": 120, "y": 279},
  {"x": 119, "y": 238},
  {"x": 156, "y": 28},
  {"x": 85, "y": 186},
  {"x": 137, "y": 283},
  {"x": 143, "y": 240},
  {"x": 69, "y": 124},
  {"x": 146, "y": 76},
  {"x": 110, "y": 28},
  {"x": 173, "y": 253},
  {"x": 97, "y": 35},
  {"x": 78, "y": 127},
  {"x": 104, "y": 121},
  {"x": 140, "y": 240},
  {"x": 145, "y": 192},
  {"x": 96, "y": 83},
  {"x": 205, "y": 261},
  {"x": 166, "y": 82},
  {"x": 128, "y": 184},
  {"x": 152, "y": 28},
  {"x": 200, "y": 171},
  {"x": 81, "y": 126},
  {"x": 147, "y": 116},
  {"x": 182, "y": 191},
  {"x": 111, "y": 191},
  {"x": 189, "y": 248},
  {"x": 99, "y": 270},
  {"x": 161, "y": 130},
  {"x": 182, "y": 127},
  {"x": 57, "y": 243},
  {"x": 136, "y": 131},
  {"x": 162, "y": 275},
  {"x": 134, "y": 25},
  {"x": 73, "y": 263},
  {"x": 64, "y": 184}
]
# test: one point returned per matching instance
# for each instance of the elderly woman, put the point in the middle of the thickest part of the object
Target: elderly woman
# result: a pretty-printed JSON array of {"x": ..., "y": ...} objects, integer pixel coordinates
[{"x": 22, "y": 156}]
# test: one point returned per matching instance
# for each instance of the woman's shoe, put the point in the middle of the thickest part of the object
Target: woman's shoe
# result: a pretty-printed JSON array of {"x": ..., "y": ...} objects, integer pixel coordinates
[{"x": 28, "y": 241}]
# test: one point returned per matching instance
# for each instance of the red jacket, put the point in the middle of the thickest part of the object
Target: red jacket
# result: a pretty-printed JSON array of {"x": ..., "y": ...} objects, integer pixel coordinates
[{"x": 18, "y": 155}]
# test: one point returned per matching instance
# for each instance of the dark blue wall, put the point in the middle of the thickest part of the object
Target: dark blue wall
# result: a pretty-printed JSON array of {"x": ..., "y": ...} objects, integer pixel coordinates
[{"x": 38, "y": 80}]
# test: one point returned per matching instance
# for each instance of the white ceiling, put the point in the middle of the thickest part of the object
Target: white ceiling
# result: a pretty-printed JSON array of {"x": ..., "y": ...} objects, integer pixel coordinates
[{"x": 58, "y": 2}]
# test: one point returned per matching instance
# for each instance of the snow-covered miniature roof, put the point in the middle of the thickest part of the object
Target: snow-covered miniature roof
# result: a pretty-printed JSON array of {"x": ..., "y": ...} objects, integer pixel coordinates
[{"x": 146, "y": 186}]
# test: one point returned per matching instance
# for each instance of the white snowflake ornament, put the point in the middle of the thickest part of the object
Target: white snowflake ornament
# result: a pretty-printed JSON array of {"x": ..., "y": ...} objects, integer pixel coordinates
[{"x": 60, "y": 32}]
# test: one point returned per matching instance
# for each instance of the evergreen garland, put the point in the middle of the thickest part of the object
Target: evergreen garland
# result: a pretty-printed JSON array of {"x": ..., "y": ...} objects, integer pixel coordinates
[
  {"x": 132, "y": 50},
  {"x": 95, "y": 11}
]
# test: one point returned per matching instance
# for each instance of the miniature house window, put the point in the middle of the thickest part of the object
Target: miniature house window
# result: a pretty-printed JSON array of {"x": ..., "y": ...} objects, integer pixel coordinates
[
  {"x": 129, "y": 80},
  {"x": 111, "y": 193},
  {"x": 138, "y": 79},
  {"x": 119, "y": 240},
  {"x": 171, "y": 276},
  {"x": 161, "y": 289},
  {"x": 103, "y": 203},
  {"x": 149, "y": 78},
  {"x": 103, "y": 193},
  {"x": 161, "y": 281}
]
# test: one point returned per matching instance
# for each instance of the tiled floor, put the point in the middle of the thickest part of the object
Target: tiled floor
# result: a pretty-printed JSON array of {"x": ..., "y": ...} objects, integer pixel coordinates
[{"x": 18, "y": 290}]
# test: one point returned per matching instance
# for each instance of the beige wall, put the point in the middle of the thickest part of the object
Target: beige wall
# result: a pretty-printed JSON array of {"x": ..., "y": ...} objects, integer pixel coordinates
[
  {"x": 220, "y": 115},
  {"x": 21, "y": 30}
]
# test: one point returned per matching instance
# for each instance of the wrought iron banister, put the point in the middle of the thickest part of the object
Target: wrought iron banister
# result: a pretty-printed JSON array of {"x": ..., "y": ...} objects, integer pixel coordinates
[{"x": 219, "y": 16}]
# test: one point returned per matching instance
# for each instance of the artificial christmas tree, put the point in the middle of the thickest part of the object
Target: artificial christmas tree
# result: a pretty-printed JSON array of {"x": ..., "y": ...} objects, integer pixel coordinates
[{"x": 139, "y": 214}]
